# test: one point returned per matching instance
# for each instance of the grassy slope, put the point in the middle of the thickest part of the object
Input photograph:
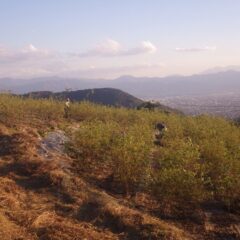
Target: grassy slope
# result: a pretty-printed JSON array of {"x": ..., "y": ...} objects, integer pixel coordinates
[{"x": 46, "y": 199}]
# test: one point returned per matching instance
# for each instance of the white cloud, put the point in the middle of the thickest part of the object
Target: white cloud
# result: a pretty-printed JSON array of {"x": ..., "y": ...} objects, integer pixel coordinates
[
  {"x": 111, "y": 48},
  {"x": 149, "y": 47},
  {"x": 31, "y": 61},
  {"x": 145, "y": 47},
  {"x": 29, "y": 52},
  {"x": 107, "y": 48},
  {"x": 32, "y": 48},
  {"x": 196, "y": 49}
]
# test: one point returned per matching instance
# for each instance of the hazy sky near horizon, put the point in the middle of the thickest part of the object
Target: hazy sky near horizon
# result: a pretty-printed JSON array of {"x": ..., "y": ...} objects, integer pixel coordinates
[{"x": 109, "y": 38}]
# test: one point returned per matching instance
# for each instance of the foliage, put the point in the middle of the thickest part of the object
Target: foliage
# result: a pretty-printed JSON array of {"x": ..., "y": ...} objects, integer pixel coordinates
[
  {"x": 131, "y": 156},
  {"x": 93, "y": 140},
  {"x": 178, "y": 175},
  {"x": 125, "y": 149},
  {"x": 199, "y": 158}
]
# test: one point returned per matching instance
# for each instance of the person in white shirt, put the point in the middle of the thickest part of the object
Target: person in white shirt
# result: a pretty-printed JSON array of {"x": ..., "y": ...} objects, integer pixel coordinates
[{"x": 67, "y": 108}]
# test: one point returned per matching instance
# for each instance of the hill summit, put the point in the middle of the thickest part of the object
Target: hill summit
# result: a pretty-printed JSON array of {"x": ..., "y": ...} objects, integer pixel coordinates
[{"x": 105, "y": 96}]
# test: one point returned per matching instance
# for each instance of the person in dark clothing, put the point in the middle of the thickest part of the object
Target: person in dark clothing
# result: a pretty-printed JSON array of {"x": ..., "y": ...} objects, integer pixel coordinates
[{"x": 160, "y": 131}]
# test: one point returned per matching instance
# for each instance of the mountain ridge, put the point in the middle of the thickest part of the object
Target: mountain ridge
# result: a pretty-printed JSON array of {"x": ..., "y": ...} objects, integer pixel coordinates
[
  {"x": 105, "y": 96},
  {"x": 141, "y": 87}
]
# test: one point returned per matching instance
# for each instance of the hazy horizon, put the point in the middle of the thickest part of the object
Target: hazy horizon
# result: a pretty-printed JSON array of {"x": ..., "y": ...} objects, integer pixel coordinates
[{"x": 93, "y": 39}]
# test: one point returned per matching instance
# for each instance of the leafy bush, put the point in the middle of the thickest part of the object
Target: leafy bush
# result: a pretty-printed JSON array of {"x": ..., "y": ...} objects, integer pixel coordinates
[
  {"x": 131, "y": 156},
  {"x": 127, "y": 150},
  {"x": 178, "y": 174},
  {"x": 199, "y": 157},
  {"x": 94, "y": 140}
]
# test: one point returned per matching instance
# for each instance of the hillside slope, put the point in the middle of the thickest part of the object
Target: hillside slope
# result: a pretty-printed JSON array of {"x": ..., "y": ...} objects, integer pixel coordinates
[
  {"x": 43, "y": 198},
  {"x": 105, "y": 96},
  {"x": 100, "y": 175}
]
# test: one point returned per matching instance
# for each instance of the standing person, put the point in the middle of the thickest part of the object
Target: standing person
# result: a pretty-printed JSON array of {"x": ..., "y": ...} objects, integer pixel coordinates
[
  {"x": 161, "y": 130},
  {"x": 67, "y": 108}
]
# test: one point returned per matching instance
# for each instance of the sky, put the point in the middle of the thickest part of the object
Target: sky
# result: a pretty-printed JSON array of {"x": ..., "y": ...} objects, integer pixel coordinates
[{"x": 110, "y": 38}]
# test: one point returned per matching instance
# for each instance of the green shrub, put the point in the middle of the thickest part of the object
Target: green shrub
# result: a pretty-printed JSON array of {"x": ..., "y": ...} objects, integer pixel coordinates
[
  {"x": 126, "y": 150},
  {"x": 131, "y": 156},
  {"x": 94, "y": 140},
  {"x": 177, "y": 176}
]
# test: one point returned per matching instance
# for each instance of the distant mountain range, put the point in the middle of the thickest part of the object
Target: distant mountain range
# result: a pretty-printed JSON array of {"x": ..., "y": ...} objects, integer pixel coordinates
[
  {"x": 142, "y": 87},
  {"x": 222, "y": 69},
  {"x": 216, "y": 91}
]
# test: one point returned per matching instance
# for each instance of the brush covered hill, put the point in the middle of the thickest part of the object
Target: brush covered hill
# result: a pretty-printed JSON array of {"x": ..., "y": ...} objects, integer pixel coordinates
[
  {"x": 105, "y": 96},
  {"x": 157, "y": 106},
  {"x": 99, "y": 175}
]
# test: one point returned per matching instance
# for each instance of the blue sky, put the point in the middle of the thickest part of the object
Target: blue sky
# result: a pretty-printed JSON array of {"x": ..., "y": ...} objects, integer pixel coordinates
[{"x": 90, "y": 38}]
